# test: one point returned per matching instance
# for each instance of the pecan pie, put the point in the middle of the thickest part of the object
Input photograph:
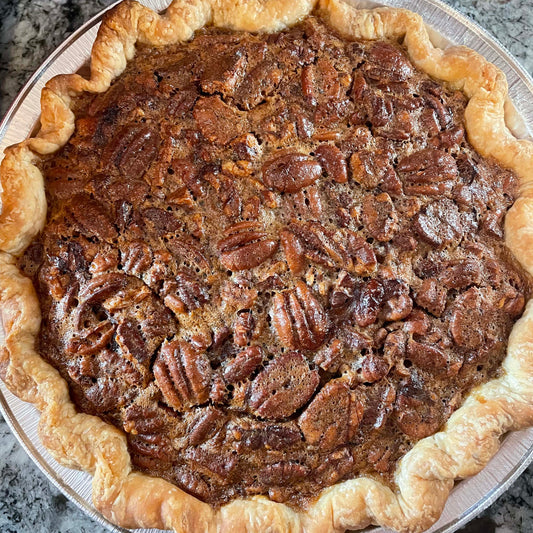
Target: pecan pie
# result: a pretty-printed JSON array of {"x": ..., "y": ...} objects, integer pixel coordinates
[{"x": 273, "y": 263}]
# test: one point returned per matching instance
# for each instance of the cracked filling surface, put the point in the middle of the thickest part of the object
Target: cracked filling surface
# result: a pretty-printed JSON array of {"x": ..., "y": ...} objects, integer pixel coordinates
[{"x": 274, "y": 261}]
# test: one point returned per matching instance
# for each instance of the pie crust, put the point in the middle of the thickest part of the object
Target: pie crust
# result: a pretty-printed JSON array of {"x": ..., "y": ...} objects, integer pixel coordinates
[{"x": 425, "y": 475}]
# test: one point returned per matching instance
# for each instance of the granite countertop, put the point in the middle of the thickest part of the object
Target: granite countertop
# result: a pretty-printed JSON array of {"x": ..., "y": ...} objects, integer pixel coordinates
[{"x": 29, "y": 31}]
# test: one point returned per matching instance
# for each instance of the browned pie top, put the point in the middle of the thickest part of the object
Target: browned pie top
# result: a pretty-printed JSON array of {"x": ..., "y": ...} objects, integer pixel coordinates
[{"x": 274, "y": 261}]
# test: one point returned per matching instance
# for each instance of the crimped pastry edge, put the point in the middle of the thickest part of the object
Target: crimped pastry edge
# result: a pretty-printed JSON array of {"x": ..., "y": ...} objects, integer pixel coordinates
[{"x": 426, "y": 474}]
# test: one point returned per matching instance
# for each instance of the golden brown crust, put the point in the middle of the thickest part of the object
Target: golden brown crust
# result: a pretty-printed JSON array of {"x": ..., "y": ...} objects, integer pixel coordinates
[{"x": 426, "y": 474}]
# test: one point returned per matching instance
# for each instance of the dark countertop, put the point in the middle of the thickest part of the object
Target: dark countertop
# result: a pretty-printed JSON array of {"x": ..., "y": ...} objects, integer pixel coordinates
[{"x": 29, "y": 31}]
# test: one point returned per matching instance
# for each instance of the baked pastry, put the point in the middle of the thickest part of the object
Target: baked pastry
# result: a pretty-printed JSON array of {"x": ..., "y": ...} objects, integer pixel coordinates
[{"x": 272, "y": 267}]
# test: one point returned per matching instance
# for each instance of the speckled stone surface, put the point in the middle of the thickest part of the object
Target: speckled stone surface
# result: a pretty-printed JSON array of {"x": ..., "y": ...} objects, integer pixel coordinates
[{"x": 29, "y": 31}]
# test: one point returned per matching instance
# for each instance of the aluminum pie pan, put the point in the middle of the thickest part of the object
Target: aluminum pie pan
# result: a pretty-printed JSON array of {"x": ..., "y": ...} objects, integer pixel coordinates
[{"x": 469, "y": 497}]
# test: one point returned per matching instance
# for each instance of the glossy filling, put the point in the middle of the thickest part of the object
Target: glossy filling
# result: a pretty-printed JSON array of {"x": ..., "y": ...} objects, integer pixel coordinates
[{"x": 274, "y": 261}]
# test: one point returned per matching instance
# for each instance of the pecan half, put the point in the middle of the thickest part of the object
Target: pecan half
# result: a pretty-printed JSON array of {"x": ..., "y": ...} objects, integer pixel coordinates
[
  {"x": 380, "y": 457},
  {"x": 136, "y": 258},
  {"x": 191, "y": 480},
  {"x": 185, "y": 294},
  {"x": 283, "y": 473},
  {"x": 245, "y": 246},
  {"x": 333, "y": 162},
  {"x": 328, "y": 357},
  {"x": 258, "y": 84},
  {"x": 470, "y": 316},
  {"x": 373, "y": 368},
  {"x": 182, "y": 374},
  {"x": 91, "y": 340},
  {"x": 102, "y": 287},
  {"x": 153, "y": 446},
  {"x": 273, "y": 437},
  {"x": 299, "y": 318},
  {"x": 416, "y": 413},
  {"x": 343, "y": 290},
  {"x": 188, "y": 249},
  {"x": 332, "y": 418},
  {"x": 104, "y": 260},
  {"x": 224, "y": 72},
  {"x": 113, "y": 380},
  {"x": 243, "y": 365},
  {"x": 428, "y": 166},
  {"x": 305, "y": 204},
  {"x": 92, "y": 217},
  {"x": 218, "y": 122},
  {"x": 386, "y": 62},
  {"x": 367, "y": 303},
  {"x": 243, "y": 327},
  {"x": 320, "y": 81},
  {"x": 132, "y": 150},
  {"x": 312, "y": 241},
  {"x": 379, "y": 404},
  {"x": 398, "y": 304},
  {"x": 139, "y": 419},
  {"x": 220, "y": 466},
  {"x": 370, "y": 168},
  {"x": 163, "y": 221},
  {"x": 284, "y": 386},
  {"x": 335, "y": 466},
  {"x": 290, "y": 172},
  {"x": 294, "y": 252},
  {"x": 460, "y": 274},
  {"x": 426, "y": 355},
  {"x": 432, "y": 296},
  {"x": 379, "y": 216},
  {"x": 126, "y": 190},
  {"x": 439, "y": 223},
  {"x": 379, "y": 109},
  {"x": 206, "y": 424},
  {"x": 131, "y": 341}
]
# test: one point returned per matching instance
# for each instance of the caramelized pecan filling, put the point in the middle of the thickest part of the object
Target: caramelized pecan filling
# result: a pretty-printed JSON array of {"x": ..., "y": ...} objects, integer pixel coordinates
[{"x": 274, "y": 261}]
